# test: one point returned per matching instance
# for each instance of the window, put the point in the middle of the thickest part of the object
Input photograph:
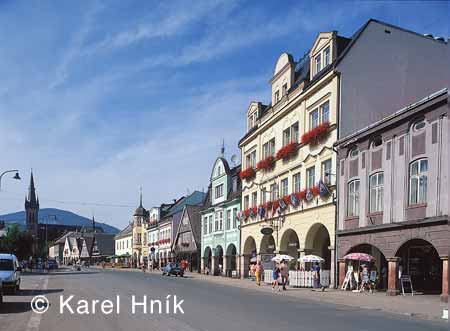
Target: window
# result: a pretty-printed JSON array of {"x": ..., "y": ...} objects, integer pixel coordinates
[
  {"x": 296, "y": 183},
  {"x": 325, "y": 112},
  {"x": 419, "y": 125},
  {"x": 377, "y": 142},
  {"x": 376, "y": 192},
  {"x": 294, "y": 132},
  {"x": 246, "y": 202},
  {"x": 418, "y": 176},
  {"x": 219, "y": 191},
  {"x": 251, "y": 159},
  {"x": 205, "y": 225},
  {"x": 254, "y": 199},
  {"x": 269, "y": 148},
  {"x": 318, "y": 61},
  {"x": 277, "y": 96},
  {"x": 353, "y": 198},
  {"x": 220, "y": 220},
  {"x": 216, "y": 221},
  {"x": 219, "y": 170},
  {"x": 310, "y": 177},
  {"x": 284, "y": 187},
  {"x": 228, "y": 222},
  {"x": 252, "y": 120},
  {"x": 234, "y": 218},
  {"x": 326, "y": 171},
  {"x": 284, "y": 89},
  {"x": 210, "y": 224},
  {"x": 273, "y": 192},
  {"x": 286, "y": 136},
  {"x": 263, "y": 195},
  {"x": 314, "y": 119},
  {"x": 354, "y": 152},
  {"x": 235, "y": 184},
  {"x": 326, "y": 56}
]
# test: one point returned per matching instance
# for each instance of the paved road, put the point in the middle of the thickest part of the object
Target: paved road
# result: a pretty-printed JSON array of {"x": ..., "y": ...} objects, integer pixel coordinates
[{"x": 207, "y": 306}]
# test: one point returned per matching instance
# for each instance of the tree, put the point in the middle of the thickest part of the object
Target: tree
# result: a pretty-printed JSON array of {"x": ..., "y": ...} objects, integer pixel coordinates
[{"x": 17, "y": 242}]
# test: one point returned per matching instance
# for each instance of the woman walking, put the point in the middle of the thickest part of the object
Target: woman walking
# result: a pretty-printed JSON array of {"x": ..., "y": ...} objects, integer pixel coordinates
[
  {"x": 275, "y": 276},
  {"x": 258, "y": 273}
]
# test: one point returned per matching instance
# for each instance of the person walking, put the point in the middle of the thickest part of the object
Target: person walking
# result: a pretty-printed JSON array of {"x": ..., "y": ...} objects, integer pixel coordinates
[
  {"x": 316, "y": 275},
  {"x": 258, "y": 273},
  {"x": 275, "y": 276},
  {"x": 284, "y": 270}
]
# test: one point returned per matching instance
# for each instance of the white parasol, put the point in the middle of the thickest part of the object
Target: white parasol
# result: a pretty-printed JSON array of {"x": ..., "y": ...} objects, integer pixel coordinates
[
  {"x": 281, "y": 257},
  {"x": 310, "y": 258}
]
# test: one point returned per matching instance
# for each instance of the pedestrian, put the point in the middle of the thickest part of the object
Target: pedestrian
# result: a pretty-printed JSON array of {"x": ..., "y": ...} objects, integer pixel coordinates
[
  {"x": 275, "y": 276},
  {"x": 316, "y": 275},
  {"x": 284, "y": 270},
  {"x": 258, "y": 273},
  {"x": 384, "y": 277}
]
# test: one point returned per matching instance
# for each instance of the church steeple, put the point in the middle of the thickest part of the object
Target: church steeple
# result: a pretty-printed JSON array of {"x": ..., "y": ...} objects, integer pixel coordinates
[
  {"x": 32, "y": 208},
  {"x": 32, "y": 201}
]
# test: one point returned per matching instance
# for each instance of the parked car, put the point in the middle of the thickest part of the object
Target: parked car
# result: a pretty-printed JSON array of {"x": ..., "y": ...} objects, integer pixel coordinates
[
  {"x": 173, "y": 269},
  {"x": 10, "y": 272}
]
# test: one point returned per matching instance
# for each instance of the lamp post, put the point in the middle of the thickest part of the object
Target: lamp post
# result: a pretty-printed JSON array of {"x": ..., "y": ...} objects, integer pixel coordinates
[{"x": 16, "y": 176}]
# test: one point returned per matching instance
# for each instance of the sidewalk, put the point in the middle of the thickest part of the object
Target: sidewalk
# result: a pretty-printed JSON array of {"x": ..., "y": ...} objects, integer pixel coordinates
[{"x": 418, "y": 306}]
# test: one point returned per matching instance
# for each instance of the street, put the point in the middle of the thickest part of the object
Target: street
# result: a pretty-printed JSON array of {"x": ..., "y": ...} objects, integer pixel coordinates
[{"x": 207, "y": 306}]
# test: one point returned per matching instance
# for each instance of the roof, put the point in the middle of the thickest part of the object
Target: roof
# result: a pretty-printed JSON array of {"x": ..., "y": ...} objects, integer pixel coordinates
[
  {"x": 125, "y": 232},
  {"x": 354, "y": 38},
  {"x": 195, "y": 221},
  {"x": 195, "y": 198}
]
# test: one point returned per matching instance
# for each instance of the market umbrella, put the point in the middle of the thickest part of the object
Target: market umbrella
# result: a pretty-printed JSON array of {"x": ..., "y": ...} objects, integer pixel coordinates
[
  {"x": 281, "y": 257},
  {"x": 310, "y": 258},
  {"x": 253, "y": 260},
  {"x": 359, "y": 257}
]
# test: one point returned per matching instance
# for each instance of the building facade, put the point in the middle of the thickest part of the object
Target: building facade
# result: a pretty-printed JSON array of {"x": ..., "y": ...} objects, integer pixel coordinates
[
  {"x": 220, "y": 234},
  {"x": 393, "y": 195},
  {"x": 153, "y": 235},
  {"x": 123, "y": 242},
  {"x": 139, "y": 230},
  {"x": 287, "y": 154}
]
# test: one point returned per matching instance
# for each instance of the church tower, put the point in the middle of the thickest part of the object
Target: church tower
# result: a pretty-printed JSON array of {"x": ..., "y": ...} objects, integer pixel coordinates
[{"x": 32, "y": 208}]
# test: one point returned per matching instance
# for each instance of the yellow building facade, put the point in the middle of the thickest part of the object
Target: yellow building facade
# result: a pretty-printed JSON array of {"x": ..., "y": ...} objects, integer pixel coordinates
[{"x": 286, "y": 152}]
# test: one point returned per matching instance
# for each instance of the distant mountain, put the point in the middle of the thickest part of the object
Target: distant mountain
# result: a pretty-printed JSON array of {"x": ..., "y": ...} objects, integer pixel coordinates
[{"x": 63, "y": 217}]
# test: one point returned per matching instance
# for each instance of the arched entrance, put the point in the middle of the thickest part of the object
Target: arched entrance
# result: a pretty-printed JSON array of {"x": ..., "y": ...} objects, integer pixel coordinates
[
  {"x": 420, "y": 260},
  {"x": 379, "y": 265},
  {"x": 317, "y": 243},
  {"x": 231, "y": 259},
  {"x": 290, "y": 245},
  {"x": 207, "y": 258},
  {"x": 267, "y": 251},
  {"x": 249, "y": 252},
  {"x": 218, "y": 260}
]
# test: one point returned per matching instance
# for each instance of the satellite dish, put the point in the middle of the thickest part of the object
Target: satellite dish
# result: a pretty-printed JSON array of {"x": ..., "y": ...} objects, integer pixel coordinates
[{"x": 234, "y": 159}]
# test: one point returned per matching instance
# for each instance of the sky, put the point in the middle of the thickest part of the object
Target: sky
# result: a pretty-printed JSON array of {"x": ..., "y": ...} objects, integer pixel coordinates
[{"x": 100, "y": 98}]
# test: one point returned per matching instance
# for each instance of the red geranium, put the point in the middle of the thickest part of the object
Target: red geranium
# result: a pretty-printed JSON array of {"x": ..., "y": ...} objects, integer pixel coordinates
[
  {"x": 276, "y": 205},
  {"x": 267, "y": 164},
  {"x": 247, "y": 173},
  {"x": 247, "y": 212},
  {"x": 301, "y": 195},
  {"x": 268, "y": 205},
  {"x": 315, "y": 190},
  {"x": 287, "y": 199},
  {"x": 255, "y": 211},
  {"x": 315, "y": 135},
  {"x": 287, "y": 151}
]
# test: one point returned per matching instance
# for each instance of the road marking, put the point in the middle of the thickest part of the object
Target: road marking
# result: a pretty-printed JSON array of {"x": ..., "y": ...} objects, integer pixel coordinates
[{"x": 35, "y": 319}]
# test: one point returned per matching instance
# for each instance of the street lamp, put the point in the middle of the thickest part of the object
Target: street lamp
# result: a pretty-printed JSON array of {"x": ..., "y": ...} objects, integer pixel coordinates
[{"x": 16, "y": 176}]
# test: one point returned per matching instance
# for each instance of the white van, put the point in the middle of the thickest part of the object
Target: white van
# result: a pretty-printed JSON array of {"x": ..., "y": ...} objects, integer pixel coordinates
[{"x": 10, "y": 272}]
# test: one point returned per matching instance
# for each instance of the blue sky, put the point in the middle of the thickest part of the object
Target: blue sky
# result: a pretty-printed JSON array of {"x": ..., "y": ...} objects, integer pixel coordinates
[{"x": 101, "y": 97}]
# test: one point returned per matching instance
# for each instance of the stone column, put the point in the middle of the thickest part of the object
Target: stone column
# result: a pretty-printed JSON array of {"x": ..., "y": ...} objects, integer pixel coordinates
[
  {"x": 444, "y": 295},
  {"x": 392, "y": 276},
  {"x": 202, "y": 264},
  {"x": 213, "y": 265},
  {"x": 341, "y": 272},
  {"x": 242, "y": 266},
  {"x": 332, "y": 266},
  {"x": 224, "y": 265},
  {"x": 238, "y": 265}
]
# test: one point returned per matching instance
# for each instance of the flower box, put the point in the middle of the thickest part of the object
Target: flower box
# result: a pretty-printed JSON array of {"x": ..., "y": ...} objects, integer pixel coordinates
[
  {"x": 301, "y": 195},
  {"x": 287, "y": 151},
  {"x": 267, "y": 164},
  {"x": 314, "y": 136},
  {"x": 247, "y": 173},
  {"x": 247, "y": 213}
]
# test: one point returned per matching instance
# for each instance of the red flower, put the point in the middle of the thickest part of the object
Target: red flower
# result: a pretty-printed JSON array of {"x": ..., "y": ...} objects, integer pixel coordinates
[
  {"x": 287, "y": 199},
  {"x": 276, "y": 205},
  {"x": 247, "y": 212},
  {"x": 255, "y": 211},
  {"x": 315, "y": 135},
  {"x": 301, "y": 195},
  {"x": 247, "y": 173},
  {"x": 267, "y": 164},
  {"x": 315, "y": 190},
  {"x": 287, "y": 151},
  {"x": 268, "y": 205}
]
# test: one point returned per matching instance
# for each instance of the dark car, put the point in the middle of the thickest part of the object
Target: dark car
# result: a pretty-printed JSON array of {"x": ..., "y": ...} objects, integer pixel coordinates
[
  {"x": 52, "y": 264},
  {"x": 173, "y": 269}
]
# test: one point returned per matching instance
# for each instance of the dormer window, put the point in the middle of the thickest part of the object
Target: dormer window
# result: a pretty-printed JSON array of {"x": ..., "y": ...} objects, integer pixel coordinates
[
  {"x": 277, "y": 96},
  {"x": 252, "y": 118},
  {"x": 284, "y": 90},
  {"x": 326, "y": 56},
  {"x": 318, "y": 61}
]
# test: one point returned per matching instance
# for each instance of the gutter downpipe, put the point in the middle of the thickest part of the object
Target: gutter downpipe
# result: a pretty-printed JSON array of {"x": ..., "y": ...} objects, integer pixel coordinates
[{"x": 335, "y": 201}]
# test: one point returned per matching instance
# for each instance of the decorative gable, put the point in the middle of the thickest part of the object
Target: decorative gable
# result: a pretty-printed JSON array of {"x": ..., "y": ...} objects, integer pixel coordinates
[{"x": 322, "y": 53}]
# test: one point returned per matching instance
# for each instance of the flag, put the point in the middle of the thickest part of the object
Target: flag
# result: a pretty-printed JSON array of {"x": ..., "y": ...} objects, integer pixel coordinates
[{"x": 323, "y": 189}]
